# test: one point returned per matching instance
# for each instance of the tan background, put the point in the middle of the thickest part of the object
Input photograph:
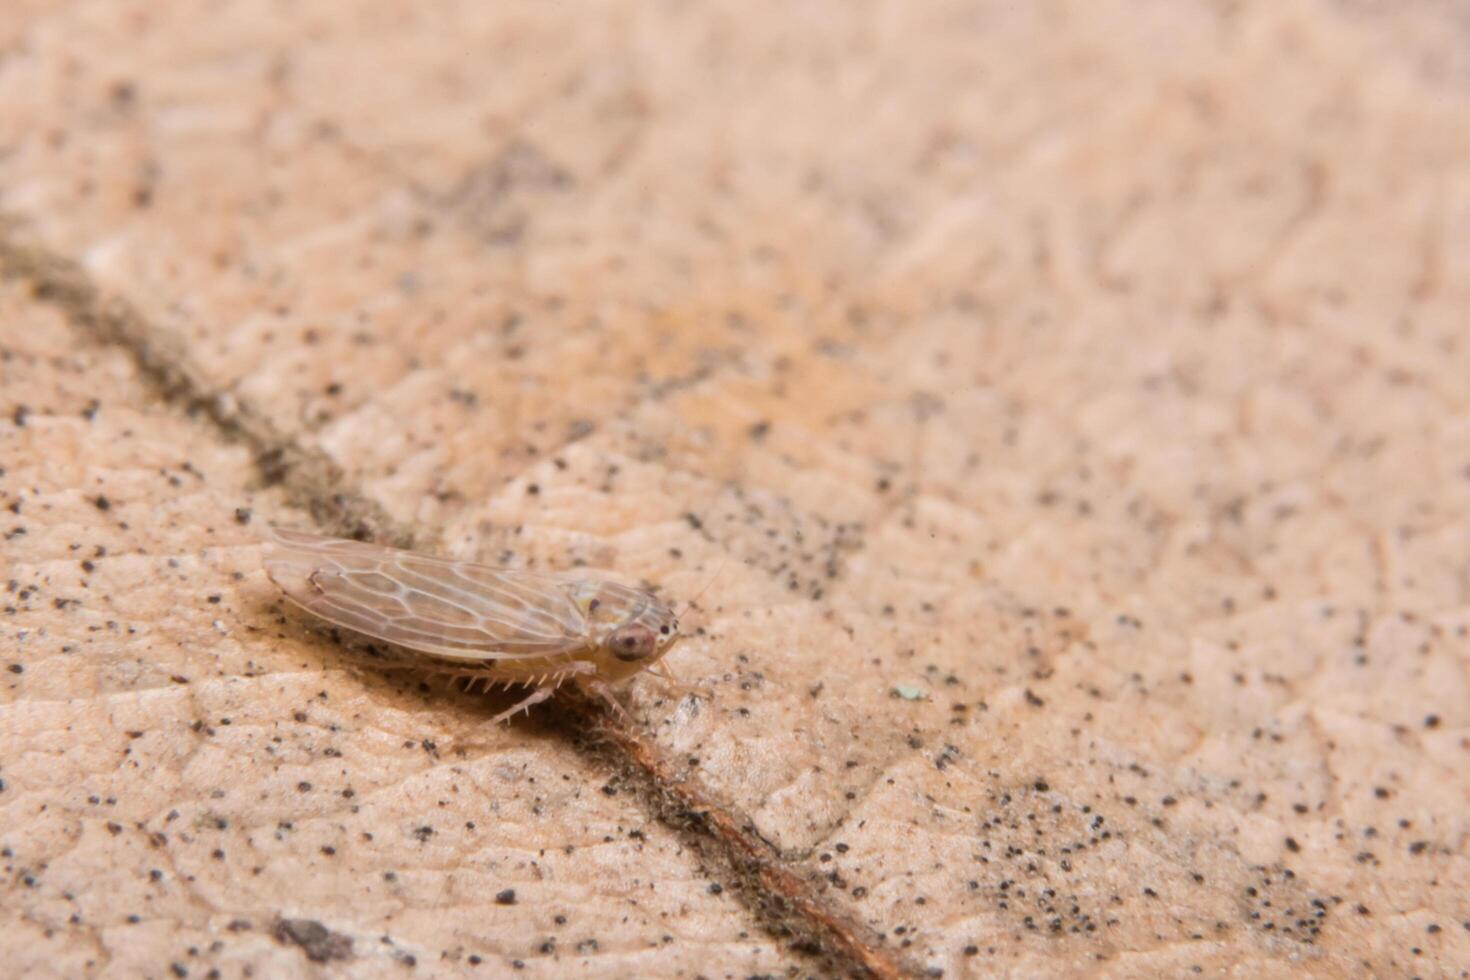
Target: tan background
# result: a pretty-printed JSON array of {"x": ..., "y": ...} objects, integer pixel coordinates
[{"x": 1074, "y": 396}]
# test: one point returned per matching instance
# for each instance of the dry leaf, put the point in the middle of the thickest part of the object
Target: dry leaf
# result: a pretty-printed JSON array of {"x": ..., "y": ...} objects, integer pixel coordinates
[{"x": 1055, "y": 415}]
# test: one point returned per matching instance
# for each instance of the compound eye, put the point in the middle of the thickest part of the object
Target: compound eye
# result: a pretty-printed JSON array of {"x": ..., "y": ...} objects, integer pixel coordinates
[{"x": 631, "y": 643}]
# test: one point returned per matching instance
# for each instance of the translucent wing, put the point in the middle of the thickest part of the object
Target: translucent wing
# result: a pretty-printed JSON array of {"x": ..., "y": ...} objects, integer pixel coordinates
[{"x": 446, "y": 608}]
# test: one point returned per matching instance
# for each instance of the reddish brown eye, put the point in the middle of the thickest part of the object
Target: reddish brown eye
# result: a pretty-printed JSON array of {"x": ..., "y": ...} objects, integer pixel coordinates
[{"x": 631, "y": 643}]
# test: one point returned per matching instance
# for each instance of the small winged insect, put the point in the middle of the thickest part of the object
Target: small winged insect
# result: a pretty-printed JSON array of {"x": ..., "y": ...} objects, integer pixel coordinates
[{"x": 490, "y": 625}]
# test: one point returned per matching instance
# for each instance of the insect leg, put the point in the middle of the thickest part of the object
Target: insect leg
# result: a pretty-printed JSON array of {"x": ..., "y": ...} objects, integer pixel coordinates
[
  {"x": 576, "y": 668},
  {"x": 676, "y": 686},
  {"x": 605, "y": 691},
  {"x": 544, "y": 687},
  {"x": 535, "y": 697}
]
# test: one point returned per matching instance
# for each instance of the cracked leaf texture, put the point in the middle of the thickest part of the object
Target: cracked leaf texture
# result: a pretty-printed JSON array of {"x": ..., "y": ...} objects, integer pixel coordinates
[{"x": 1061, "y": 406}]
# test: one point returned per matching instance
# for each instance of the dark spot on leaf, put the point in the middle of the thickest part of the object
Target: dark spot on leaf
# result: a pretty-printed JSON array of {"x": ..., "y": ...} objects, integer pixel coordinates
[{"x": 318, "y": 942}]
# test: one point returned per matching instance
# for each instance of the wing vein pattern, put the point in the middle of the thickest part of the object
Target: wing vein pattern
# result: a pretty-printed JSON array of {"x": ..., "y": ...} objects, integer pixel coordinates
[{"x": 447, "y": 608}]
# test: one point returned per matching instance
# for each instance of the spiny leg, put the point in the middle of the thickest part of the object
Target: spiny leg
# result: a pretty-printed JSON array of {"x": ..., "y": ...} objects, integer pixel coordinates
[
  {"x": 605, "y": 691},
  {"x": 544, "y": 687},
  {"x": 536, "y": 697}
]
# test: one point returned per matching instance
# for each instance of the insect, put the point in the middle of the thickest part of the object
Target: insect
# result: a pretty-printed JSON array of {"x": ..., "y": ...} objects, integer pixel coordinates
[{"x": 491, "y": 625}]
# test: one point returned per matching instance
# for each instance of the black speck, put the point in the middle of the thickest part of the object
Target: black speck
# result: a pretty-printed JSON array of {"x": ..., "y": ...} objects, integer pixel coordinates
[
  {"x": 102, "y": 503},
  {"x": 506, "y": 897}
]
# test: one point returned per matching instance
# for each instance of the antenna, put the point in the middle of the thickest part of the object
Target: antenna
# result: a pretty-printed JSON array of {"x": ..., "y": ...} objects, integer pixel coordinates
[{"x": 713, "y": 578}]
